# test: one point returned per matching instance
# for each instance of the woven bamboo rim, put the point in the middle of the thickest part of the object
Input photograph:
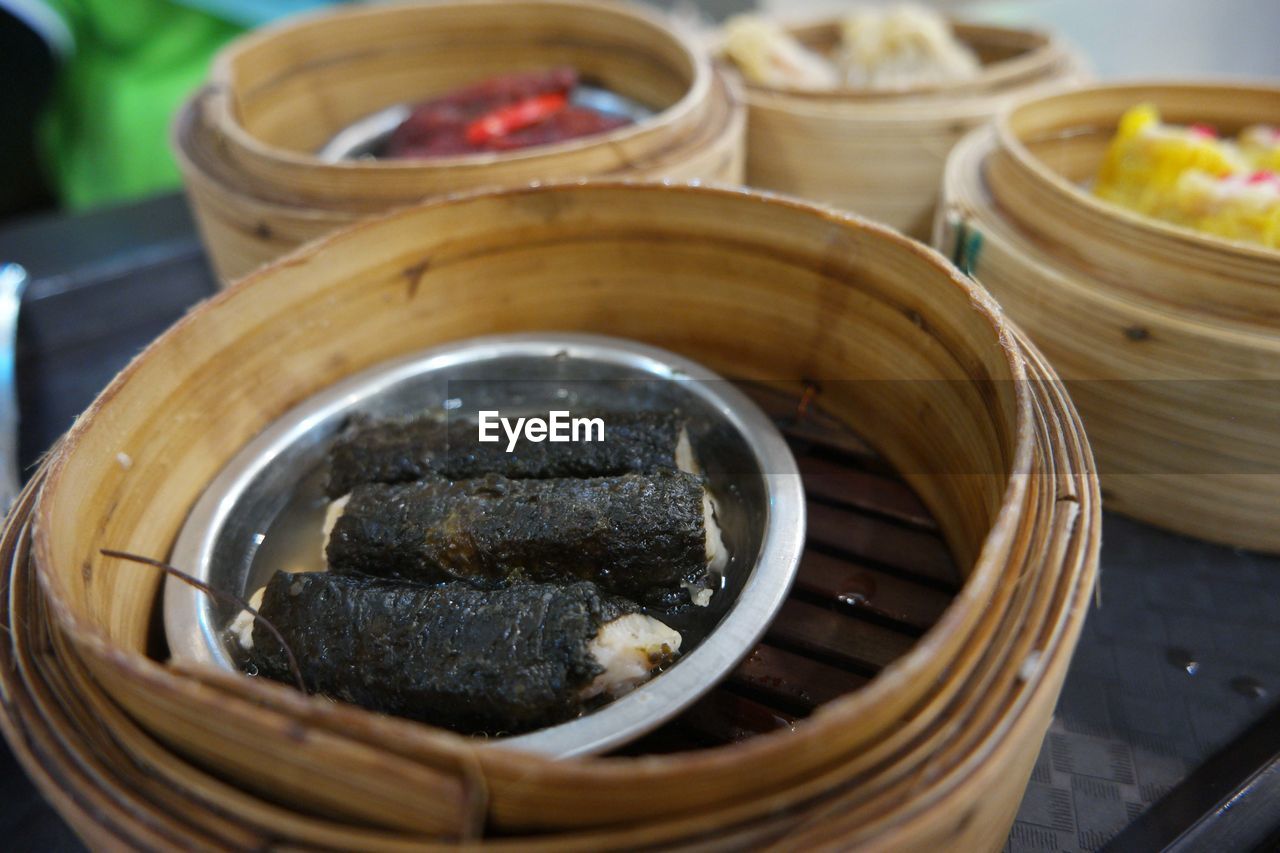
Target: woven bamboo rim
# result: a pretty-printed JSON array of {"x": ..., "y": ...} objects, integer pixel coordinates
[
  {"x": 1178, "y": 403},
  {"x": 1050, "y": 147},
  {"x": 245, "y": 141},
  {"x": 1011, "y": 485},
  {"x": 881, "y": 155}
]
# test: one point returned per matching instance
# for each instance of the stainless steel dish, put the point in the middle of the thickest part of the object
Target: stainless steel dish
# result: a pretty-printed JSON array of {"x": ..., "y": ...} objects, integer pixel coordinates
[
  {"x": 363, "y": 138},
  {"x": 263, "y": 511}
]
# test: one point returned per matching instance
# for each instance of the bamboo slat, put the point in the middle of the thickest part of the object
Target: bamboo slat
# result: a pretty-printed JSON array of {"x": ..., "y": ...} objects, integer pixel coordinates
[
  {"x": 881, "y": 154},
  {"x": 246, "y": 141},
  {"x": 911, "y": 355},
  {"x": 1167, "y": 339}
]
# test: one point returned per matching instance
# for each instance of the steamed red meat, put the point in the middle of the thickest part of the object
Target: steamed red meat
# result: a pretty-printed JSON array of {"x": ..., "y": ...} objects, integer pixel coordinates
[
  {"x": 503, "y": 113},
  {"x": 570, "y": 123}
]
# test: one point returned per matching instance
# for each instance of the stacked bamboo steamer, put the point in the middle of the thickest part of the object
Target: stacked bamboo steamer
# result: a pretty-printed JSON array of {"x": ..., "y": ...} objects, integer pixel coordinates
[
  {"x": 935, "y": 750},
  {"x": 247, "y": 142},
  {"x": 1168, "y": 339},
  {"x": 881, "y": 154}
]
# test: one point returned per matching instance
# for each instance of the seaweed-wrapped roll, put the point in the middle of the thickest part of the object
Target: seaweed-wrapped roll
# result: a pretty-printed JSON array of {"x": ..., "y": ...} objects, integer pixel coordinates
[
  {"x": 649, "y": 537},
  {"x": 506, "y": 660},
  {"x": 403, "y": 451}
]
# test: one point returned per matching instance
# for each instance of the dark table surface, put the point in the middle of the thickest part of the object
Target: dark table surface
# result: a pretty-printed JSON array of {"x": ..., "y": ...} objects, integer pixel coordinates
[{"x": 1167, "y": 732}]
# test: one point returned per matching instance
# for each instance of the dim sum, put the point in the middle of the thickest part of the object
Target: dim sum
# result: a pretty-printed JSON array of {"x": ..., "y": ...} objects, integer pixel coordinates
[
  {"x": 495, "y": 661},
  {"x": 650, "y": 537},
  {"x": 404, "y": 451}
]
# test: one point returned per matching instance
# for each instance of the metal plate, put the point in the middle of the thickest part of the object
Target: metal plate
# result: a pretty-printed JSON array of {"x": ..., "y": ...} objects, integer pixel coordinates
[
  {"x": 362, "y": 139},
  {"x": 263, "y": 510}
]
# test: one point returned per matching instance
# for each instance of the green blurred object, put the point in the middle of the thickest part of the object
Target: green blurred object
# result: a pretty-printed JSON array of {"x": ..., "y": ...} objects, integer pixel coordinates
[{"x": 106, "y": 136}]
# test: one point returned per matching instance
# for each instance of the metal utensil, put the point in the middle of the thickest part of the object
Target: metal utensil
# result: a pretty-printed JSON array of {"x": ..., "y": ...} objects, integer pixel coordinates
[
  {"x": 13, "y": 282},
  {"x": 245, "y": 512}
]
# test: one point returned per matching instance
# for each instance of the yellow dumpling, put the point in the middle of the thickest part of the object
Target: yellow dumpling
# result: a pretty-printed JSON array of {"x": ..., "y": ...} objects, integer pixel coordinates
[
  {"x": 1260, "y": 144},
  {"x": 1189, "y": 176},
  {"x": 1239, "y": 207},
  {"x": 1147, "y": 157}
]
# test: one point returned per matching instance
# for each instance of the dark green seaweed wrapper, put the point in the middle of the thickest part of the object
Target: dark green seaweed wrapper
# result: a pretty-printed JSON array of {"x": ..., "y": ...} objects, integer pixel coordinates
[
  {"x": 404, "y": 451},
  {"x": 638, "y": 535},
  {"x": 509, "y": 660}
]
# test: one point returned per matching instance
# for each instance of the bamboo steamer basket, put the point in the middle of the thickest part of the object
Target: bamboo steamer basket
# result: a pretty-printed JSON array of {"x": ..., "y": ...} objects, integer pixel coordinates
[
  {"x": 881, "y": 154},
  {"x": 935, "y": 749},
  {"x": 246, "y": 142},
  {"x": 1169, "y": 339}
]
